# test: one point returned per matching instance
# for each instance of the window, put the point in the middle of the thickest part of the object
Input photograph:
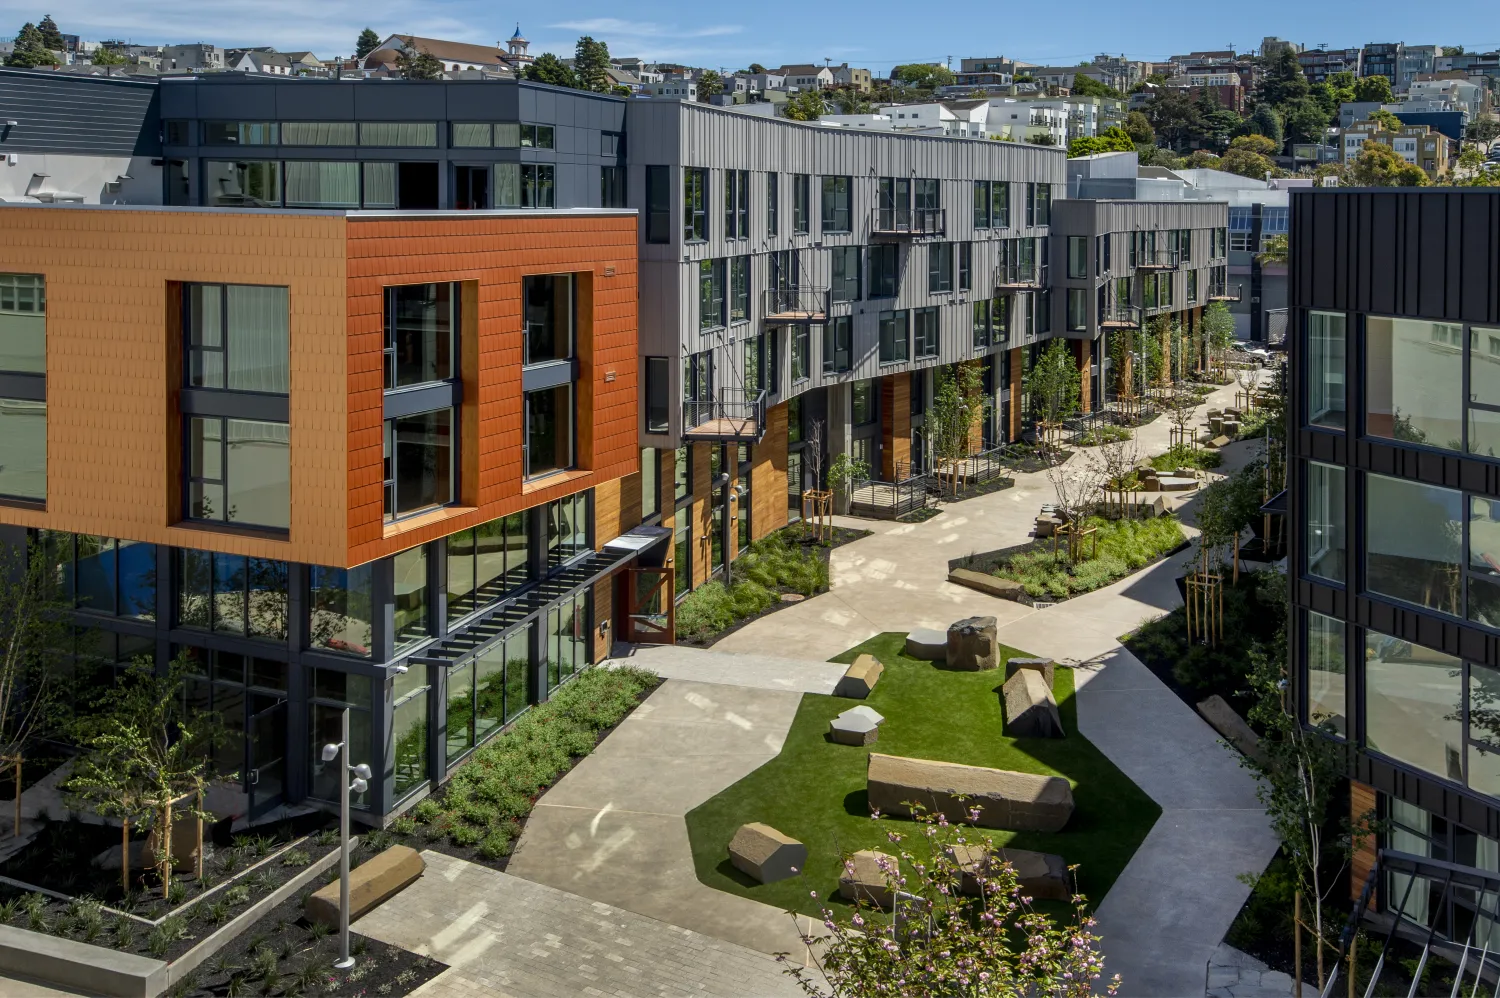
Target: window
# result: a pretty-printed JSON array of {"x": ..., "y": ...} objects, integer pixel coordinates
[
  {"x": 773, "y": 203},
  {"x": 567, "y": 639},
  {"x": 965, "y": 266},
  {"x": 893, "y": 201},
  {"x": 739, "y": 289},
  {"x": 939, "y": 268},
  {"x": 1078, "y": 256},
  {"x": 1219, "y": 242},
  {"x": 836, "y": 204},
  {"x": 682, "y": 470},
  {"x": 242, "y": 184},
  {"x": 420, "y": 322},
  {"x": 1078, "y": 308},
  {"x": 1038, "y": 204},
  {"x": 312, "y": 184},
  {"x": 682, "y": 554},
  {"x": 801, "y": 203},
  {"x": 231, "y": 594},
  {"x": 398, "y": 133},
  {"x": 341, "y": 609},
  {"x": 650, "y": 481},
  {"x": 1484, "y": 391},
  {"x": 794, "y": 420},
  {"x": 658, "y": 381},
  {"x": 736, "y": 204},
  {"x": 894, "y": 336},
  {"x": 753, "y": 364},
  {"x": 567, "y": 528},
  {"x": 1326, "y": 512},
  {"x": 925, "y": 333},
  {"x": 549, "y": 317},
  {"x": 838, "y": 345},
  {"x": 485, "y": 563},
  {"x": 536, "y": 137},
  {"x": 1041, "y": 319},
  {"x": 409, "y": 569},
  {"x": 1192, "y": 287},
  {"x": 536, "y": 185},
  {"x": 419, "y": 465},
  {"x": 710, "y": 294},
  {"x": 1327, "y": 687},
  {"x": 846, "y": 273},
  {"x": 801, "y": 342},
  {"x": 101, "y": 574},
  {"x": 240, "y": 133},
  {"x": 1240, "y": 242},
  {"x": 1413, "y": 705},
  {"x": 1325, "y": 369},
  {"x": 982, "y": 204},
  {"x": 329, "y": 693},
  {"x": 1484, "y": 561},
  {"x": 470, "y": 135},
  {"x": 885, "y": 271},
  {"x": 694, "y": 205},
  {"x": 862, "y": 402},
  {"x": 239, "y": 471},
  {"x": 999, "y": 319},
  {"x": 658, "y": 204},
  {"x": 1413, "y": 552},
  {"x": 549, "y": 430},
  {"x": 926, "y": 195},
  {"x": 981, "y": 309},
  {"x": 1000, "y": 204},
  {"x": 612, "y": 187},
  {"x": 1413, "y": 379}
]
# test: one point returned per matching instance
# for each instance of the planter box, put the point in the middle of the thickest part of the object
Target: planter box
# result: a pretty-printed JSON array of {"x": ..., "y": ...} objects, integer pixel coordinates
[{"x": 83, "y": 967}]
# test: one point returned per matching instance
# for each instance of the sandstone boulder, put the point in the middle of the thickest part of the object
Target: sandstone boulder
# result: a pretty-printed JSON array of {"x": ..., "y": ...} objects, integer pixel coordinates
[
  {"x": 864, "y": 880},
  {"x": 987, "y": 584},
  {"x": 1042, "y": 875},
  {"x": 1030, "y": 710},
  {"x": 1022, "y": 802},
  {"x": 1217, "y": 712},
  {"x": 860, "y": 726},
  {"x": 760, "y": 851},
  {"x": 973, "y": 644},
  {"x": 370, "y": 883},
  {"x": 1042, "y": 665},
  {"x": 927, "y": 644},
  {"x": 860, "y": 678}
]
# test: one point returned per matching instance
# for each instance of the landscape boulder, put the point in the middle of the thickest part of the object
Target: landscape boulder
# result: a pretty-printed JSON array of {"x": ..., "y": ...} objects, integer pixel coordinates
[
  {"x": 1030, "y": 710},
  {"x": 761, "y": 852},
  {"x": 990, "y": 585},
  {"x": 1022, "y": 802},
  {"x": 856, "y": 726},
  {"x": 1041, "y": 875},
  {"x": 1222, "y": 717},
  {"x": 370, "y": 883},
  {"x": 864, "y": 880},
  {"x": 973, "y": 644},
  {"x": 927, "y": 644},
  {"x": 1042, "y": 665},
  {"x": 860, "y": 678}
]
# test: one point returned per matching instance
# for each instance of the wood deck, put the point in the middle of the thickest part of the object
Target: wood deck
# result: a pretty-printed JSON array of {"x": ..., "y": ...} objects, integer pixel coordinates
[{"x": 725, "y": 429}]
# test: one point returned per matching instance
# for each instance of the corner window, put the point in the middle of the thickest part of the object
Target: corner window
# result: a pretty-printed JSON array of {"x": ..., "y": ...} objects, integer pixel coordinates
[
  {"x": 1413, "y": 374},
  {"x": 341, "y": 609},
  {"x": 1484, "y": 392},
  {"x": 1326, "y": 513},
  {"x": 1413, "y": 543},
  {"x": 894, "y": 336},
  {"x": 536, "y": 137},
  {"x": 549, "y": 430},
  {"x": 537, "y": 185},
  {"x": 409, "y": 569},
  {"x": 838, "y": 345},
  {"x": 549, "y": 316},
  {"x": 1078, "y": 309},
  {"x": 1413, "y": 700},
  {"x": 836, "y": 204},
  {"x": 1325, "y": 369},
  {"x": 1327, "y": 673},
  {"x": 694, "y": 205},
  {"x": 658, "y": 204},
  {"x": 239, "y": 471},
  {"x": 420, "y": 323},
  {"x": 419, "y": 463}
]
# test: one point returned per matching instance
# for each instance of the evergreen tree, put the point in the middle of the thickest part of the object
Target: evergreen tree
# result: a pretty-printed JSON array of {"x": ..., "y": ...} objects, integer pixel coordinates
[
  {"x": 51, "y": 37},
  {"x": 1374, "y": 88},
  {"x": 1267, "y": 121},
  {"x": 548, "y": 68},
  {"x": 1284, "y": 80},
  {"x": 417, "y": 64},
  {"x": 30, "y": 50},
  {"x": 591, "y": 65},
  {"x": 367, "y": 43}
]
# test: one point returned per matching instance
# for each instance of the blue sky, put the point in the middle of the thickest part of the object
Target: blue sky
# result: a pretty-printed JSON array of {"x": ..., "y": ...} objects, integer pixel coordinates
[{"x": 876, "y": 35}]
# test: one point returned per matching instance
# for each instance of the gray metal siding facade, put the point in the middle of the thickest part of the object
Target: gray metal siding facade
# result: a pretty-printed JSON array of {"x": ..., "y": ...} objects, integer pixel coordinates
[{"x": 60, "y": 113}]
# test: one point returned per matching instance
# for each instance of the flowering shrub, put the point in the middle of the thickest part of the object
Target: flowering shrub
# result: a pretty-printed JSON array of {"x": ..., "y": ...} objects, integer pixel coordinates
[{"x": 988, "y": 942}]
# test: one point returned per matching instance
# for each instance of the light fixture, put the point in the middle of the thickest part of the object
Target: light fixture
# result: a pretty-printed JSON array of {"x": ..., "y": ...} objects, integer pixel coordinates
[{"x": 11, "y": 123}]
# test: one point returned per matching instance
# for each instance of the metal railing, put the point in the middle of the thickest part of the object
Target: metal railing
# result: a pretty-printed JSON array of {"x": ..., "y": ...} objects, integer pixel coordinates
[
  {"x": 909, "y": 221},
  {"x": 1120, "y": 315},
  {"x": 1224, "y": 291},
  {"x": 1276, "y": 326},
  {"x": 888, "y": 500},
  {"x": 1157, "y": 259},
  {"x": 795, "y": 305},
  {"x": 1018, "y": 275},
  {"x": 734, "y": 414}
]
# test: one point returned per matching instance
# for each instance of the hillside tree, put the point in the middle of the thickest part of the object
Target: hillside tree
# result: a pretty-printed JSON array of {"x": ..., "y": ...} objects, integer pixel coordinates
[
  {"x": 548, "y": 68},
  {"x": 591, "y": 65}
]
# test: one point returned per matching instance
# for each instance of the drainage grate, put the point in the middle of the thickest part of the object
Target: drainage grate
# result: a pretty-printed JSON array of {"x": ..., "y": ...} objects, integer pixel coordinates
[{"x": 1041, "y": 605}]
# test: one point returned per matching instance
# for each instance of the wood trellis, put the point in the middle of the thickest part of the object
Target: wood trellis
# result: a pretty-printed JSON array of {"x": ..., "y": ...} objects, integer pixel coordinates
[
  {"x": 1205, "y": 604},
  {"x": 817, "y": 512}
]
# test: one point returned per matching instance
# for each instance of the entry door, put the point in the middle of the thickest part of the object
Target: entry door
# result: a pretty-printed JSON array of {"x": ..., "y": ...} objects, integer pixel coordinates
[
  {"x": 471, "y": 188},
  {"x": 267, "y": 773}
]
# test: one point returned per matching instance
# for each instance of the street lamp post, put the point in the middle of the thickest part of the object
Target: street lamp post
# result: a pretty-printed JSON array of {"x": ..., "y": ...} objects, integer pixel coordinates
[{"x": 359, "y": 785}]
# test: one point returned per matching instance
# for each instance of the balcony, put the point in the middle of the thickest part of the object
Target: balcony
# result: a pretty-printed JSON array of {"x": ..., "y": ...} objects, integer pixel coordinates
[
  {"x": 1161, "y": 259},
  {"x": 1225, "y": 291},
  {"x": 736, "y": 416},
  {"x": 1017, "y": 275},
  {"x": 796, "y": 306},
  {"x": 1116, "y": 316},
  {"x": 909, "y": 221}
]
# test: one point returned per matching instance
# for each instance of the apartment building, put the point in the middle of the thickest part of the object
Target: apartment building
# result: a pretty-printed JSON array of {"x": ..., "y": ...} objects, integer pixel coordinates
[
  {"x": 1394, "y": 527},
  {"x": 328, "y": 462},
  {"x": 1320, "y": 63},
  {"x": 1417, "y": 144}
]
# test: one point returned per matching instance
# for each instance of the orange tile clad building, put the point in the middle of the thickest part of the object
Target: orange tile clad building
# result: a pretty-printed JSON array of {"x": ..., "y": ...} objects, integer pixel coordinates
[{"x": 332, "y": 459}]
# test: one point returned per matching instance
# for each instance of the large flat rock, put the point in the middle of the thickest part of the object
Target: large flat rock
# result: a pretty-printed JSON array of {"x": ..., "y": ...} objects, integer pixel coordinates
[
  {"x": 927, "y": 644},
  {"x": 370, "y": 883},
  {"x": 988, "y": 584},
  {"x": 1023, "y": 802}
]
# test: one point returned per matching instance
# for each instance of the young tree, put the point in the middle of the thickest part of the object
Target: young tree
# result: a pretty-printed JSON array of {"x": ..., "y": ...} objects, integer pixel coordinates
[
  {"x": 710, "y": 85},
  {"x": 591, "y": 65},
  {"x": 957, "y": 403},
  {"x": 1054, "y": 383},
  {"x": 1218, "y": 334},
  {"x": 548, "y": 68},
  {"x": 366, "y": 43},
  {"x": 33, "y": 623},
  {"x": 102, "y": 56},
  {"x": 1370, "y": 89},
  {"x": 418, "y": 64},
  {"x": 963, "y": 925},
  {"x": 843, "y": 474},
  {"x": 805, "y": 105}
]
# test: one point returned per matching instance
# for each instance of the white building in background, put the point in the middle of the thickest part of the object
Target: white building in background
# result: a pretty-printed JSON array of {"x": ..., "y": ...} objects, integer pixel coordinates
[
  {"x": 674, "y": 90},
  {"x": 1461, "y": 94}
]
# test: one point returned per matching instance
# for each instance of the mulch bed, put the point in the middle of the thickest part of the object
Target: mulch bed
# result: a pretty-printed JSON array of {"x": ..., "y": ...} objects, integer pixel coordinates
[{"x": 988, "y": 561}]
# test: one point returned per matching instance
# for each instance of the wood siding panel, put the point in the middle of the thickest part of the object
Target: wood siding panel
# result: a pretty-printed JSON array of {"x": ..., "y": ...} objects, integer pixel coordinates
[
  {"x": 1361, "y": 802},
  {"x": 768, "y": 504},
  {"x": 895, "y": 424}
]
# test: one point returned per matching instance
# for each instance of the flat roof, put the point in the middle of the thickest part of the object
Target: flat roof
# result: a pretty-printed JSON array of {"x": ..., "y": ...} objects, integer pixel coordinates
[{"x": 357, "y": 213}]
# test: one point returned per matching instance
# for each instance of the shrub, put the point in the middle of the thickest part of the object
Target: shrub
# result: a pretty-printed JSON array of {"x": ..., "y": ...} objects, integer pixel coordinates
[
  {"x": 706, "y": 610},
  {"x": 495, "y": 845},
  {"x": 1184, "y": 456},
  {"x": 1101, "y": 435},
  {"x": 1123, "y": 547}
]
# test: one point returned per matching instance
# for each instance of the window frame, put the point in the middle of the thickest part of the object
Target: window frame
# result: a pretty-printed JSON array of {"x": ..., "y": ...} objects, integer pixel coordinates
[
  {"x": 926, "y": 342},
  {"x": 658, "y": 204},
  {"x": 838, "y": 345},
  {"x": 836, "y": 204},
  {"x": 695, "y": 193},
  {"x": 738, "y": 290},
  {"x": 736, "y": 204},
  {"x": 712, "y": 302},
  {"x": 801, "y": 204},
  {"x": 843, "y": 275},
  {"x": 223, "y": 482},
  {"x": 773, "y": 203},
  {"x": 940, "y": 268},
  {"x": 882, "y": 277},
  {"x": 895, "y": 328}
]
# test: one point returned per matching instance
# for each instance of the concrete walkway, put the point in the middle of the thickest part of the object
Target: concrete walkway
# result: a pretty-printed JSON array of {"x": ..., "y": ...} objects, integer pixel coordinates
[
  {"x": 765, "y": 672},
  {"x": 614, "y": 829},
  {"x": 503, "y": 937}
]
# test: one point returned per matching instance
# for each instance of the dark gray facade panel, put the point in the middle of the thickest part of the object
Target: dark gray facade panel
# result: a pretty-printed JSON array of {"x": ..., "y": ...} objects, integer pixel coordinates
[{"x": 61, "y": 113}]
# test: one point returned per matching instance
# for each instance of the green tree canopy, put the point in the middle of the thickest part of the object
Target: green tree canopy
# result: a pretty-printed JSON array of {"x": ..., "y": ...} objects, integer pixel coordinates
[
  {"x": 756, "y": 67},
  {"x": 102, "y": 56},
  {"x": 366, "y": 43},
  {"x": 1175, "y": 117},
  {"x": 1113, "y": 139},
  {"x": 805, "y": 105},
  {"x": 849, "y": 100},
  {"x": 1138, "y": 127},
  {"x": 1266, "y": 120},
  {"x": 1386, "y": 119},
  {"x": 1373, "y": 88},
  {"x": 1202, "y": 159},
  {"x": 1378, "y": 165},
  {"x": 548, "y": 68},
  {"x": 30, "y": 50},
  {"x": 51, "y": 37},
  {"x": 1305, "y": 120},
  {"x": 923, "y": 75},
  {"x": 1283, "y": 80},
  {"x": 1485, "y": 130},
  {"x": 710, "y": 85},
  {"x": 1246, "y": 164},
  {"x": 1087, "y": 86},
  {"x": 418, "y": 64},
  {"x": 1054, "y": 382},
  {"x": 591, "y": 65}
]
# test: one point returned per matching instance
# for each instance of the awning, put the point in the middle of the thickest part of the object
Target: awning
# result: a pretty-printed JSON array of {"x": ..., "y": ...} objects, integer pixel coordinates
[
  {"x": 1276, "y": 504},
  {"x": 639, "y": 539}
]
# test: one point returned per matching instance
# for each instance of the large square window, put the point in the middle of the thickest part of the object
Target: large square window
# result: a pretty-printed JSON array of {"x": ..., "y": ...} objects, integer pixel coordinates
[
  {"x": 238, "y": 338},
  {"x": 239, "y": 471},
  {"x": 1413, "y": 543},
  {"x": 1326, "y": 551},
  {"x": 1326, "y": 345},
  {"x": 419, "y": 465},
  {"x": 549, "y": 317},
  {"x": 23, "y": 449},
  {"x": 549, "y": 430},
  {"x": 254, "y": 184},
  {"x": 1327, "y": 673},
  {"x": 420, "y": 322},
  {"x": 23, "y": 323},
  {"x": 1414, "y": 705},
  {"x": 341, "y": 609},
  {"x": 1414, "y": 381}
]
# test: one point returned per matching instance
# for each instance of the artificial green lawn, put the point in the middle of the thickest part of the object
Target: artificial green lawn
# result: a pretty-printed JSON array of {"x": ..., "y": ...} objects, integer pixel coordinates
[{"x": 814, "y": 790}]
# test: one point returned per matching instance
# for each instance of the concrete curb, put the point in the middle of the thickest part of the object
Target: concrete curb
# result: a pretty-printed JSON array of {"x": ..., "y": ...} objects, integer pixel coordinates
[{"x": 83, "y": 967}]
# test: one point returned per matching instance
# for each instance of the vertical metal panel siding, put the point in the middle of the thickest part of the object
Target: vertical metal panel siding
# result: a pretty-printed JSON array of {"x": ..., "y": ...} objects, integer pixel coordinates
[{"x": 57, "y": 113}]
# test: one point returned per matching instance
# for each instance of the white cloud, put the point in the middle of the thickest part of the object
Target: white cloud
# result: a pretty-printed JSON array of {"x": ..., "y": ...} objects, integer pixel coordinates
[{"x": 644, "y": 29}]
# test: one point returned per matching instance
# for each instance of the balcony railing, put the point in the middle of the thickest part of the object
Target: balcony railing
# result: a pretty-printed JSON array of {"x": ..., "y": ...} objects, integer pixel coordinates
[
  {"x": 909, "y": 221},
  {"x": 1018, "y": 275},
  {"x": 735, "y": 416},
  {"x": 1224, "y": 291},
  {"x": 796, "y": 306},
  {"x": 1161, "y": 259},
  {"x": 1120, "y": 316}
]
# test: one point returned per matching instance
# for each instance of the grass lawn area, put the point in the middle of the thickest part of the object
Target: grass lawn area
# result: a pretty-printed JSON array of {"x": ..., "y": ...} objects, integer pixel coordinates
[{"x": 814, "y": 790}]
